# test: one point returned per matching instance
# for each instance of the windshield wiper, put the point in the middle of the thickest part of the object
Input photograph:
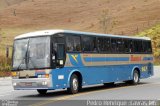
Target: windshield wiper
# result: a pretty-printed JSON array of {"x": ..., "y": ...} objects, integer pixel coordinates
[
  {"x": 20, "y": 63},
  {"x": 24, "y": 58}
]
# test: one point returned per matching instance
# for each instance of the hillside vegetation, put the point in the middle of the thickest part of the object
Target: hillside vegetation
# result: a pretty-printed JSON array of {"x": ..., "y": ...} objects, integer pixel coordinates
[{"x": 154, "y": 34}]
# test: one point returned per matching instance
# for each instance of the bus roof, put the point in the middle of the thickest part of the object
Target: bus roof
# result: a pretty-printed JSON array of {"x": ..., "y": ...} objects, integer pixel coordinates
[{"x": 51, "y": 32}]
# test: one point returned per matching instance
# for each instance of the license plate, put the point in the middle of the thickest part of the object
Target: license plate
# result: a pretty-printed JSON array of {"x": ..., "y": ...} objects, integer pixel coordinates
[{"x": 28, "y": 84}]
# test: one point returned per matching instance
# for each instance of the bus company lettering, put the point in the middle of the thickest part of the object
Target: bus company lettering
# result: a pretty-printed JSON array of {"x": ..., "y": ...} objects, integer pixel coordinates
[{"x": 136, "y": 58}]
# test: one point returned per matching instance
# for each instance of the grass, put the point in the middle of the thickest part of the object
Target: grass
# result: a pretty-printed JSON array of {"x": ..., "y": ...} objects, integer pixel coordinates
[{"x": 5, "y": 64}]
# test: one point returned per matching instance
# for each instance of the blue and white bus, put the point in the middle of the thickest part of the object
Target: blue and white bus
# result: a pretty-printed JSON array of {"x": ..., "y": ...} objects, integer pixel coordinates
[{"x": 59, "y": 59}]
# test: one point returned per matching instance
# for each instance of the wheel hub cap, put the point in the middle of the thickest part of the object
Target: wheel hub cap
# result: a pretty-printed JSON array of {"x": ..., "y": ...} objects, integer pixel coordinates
[
  {"x": 75, "y": 84},
  {"x": 136, "y": 77}
]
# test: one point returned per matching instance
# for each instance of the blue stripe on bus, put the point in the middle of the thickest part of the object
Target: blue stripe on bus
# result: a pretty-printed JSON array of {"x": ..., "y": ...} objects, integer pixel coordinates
[
  {"x": 102, "y": 59},
  {"x": 147, "y": 58}
]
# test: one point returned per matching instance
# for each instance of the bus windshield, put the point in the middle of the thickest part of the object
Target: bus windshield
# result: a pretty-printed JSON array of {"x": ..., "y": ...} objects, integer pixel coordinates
[{"x": 31, "y": 53}]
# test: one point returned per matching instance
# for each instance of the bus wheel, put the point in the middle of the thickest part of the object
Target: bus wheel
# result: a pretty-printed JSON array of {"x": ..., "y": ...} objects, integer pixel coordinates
[
  {"x": 74, "y": 84},
  {"x": 111, "y": 84},
  {"x": 136, "y": 77},
  {"x": 42, "y": 91}
]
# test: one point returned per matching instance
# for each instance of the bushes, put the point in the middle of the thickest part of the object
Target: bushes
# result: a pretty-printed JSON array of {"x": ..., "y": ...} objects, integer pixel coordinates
[
  {"x": 5, "y": 66},
  {"x": 154, "y": 34},
  {"x": 4, "y": 74}
]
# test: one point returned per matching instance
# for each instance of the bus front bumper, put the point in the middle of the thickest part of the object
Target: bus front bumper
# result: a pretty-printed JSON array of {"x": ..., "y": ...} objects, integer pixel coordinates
[{"x": 31, "y": 83}]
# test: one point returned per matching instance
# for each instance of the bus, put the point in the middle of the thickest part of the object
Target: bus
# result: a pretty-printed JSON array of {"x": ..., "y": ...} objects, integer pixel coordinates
[{"x": 65, "y": 59}]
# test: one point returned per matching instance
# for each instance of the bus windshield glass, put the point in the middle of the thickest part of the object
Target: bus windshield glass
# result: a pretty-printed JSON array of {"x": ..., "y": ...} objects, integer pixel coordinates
[{"x": 31, "y": 53}]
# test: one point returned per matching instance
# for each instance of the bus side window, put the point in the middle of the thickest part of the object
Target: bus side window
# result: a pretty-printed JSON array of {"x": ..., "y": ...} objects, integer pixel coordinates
[
  {"x": 56, "y": 40},
  {"x": 120, "y": 45},
  {"x": 138, "y": 48},
  {"x": 147, "y": 47},
  {"x": 100, "y": 44},
  {"x": 132, "y": 50},
  {"x": 89, "y": 44},
  {"x": 114, "y": 45},
  {"x": 126, "y": 46},
  {"x": 103, "y": 44},
  {"x": 73, "y": 43}
]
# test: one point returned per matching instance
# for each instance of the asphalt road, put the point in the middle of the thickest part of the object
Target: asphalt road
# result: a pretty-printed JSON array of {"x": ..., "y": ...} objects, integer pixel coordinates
[{"x": 148, "y": 89}]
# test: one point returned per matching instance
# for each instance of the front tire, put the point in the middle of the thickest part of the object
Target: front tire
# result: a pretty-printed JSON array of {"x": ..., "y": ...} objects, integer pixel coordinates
[
  {"x": 74, "y": 84},
  {"x": 42, "y": 91}
]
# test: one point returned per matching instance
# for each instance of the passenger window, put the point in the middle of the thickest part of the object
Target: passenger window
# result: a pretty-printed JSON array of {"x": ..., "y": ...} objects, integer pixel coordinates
[
  {"x": 89, "y": 44},
  {"x": 147, "y": 47},
  {"x": 113, "y": 45},
  {"x": 127, "y": 46},
  {"x": 138, "y": 48},
  {"x": 73, "y": 43},
  {"x": 104, "y": 44},
  {"x": 120, "y": 45}
]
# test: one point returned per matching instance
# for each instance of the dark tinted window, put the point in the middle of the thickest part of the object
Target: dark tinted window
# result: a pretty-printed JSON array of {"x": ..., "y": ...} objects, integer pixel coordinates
[
  {"x": 147, "y": 47},
  {"x": 104, "y": 44},
  {"x": 138, "y": 48},
  {"x": 89, "y": 43},
  {"x": 113, "y": 45},
  {"x": 107, "y": 44},
  {"x": 149, "y": 50},
  {"x": 73, "y": 43},
  {"x": 120, "y": 45},
  {"x": 131, "y": 43},
  {"x": 127, "y": 46}
]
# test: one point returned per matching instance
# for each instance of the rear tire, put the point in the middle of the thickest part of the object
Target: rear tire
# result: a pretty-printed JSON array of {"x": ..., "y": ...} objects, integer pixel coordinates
[
  {"x": 74, "y": 84},
  {"x": 136, "y": 78},
  {"x": 42, "y": 91}
]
